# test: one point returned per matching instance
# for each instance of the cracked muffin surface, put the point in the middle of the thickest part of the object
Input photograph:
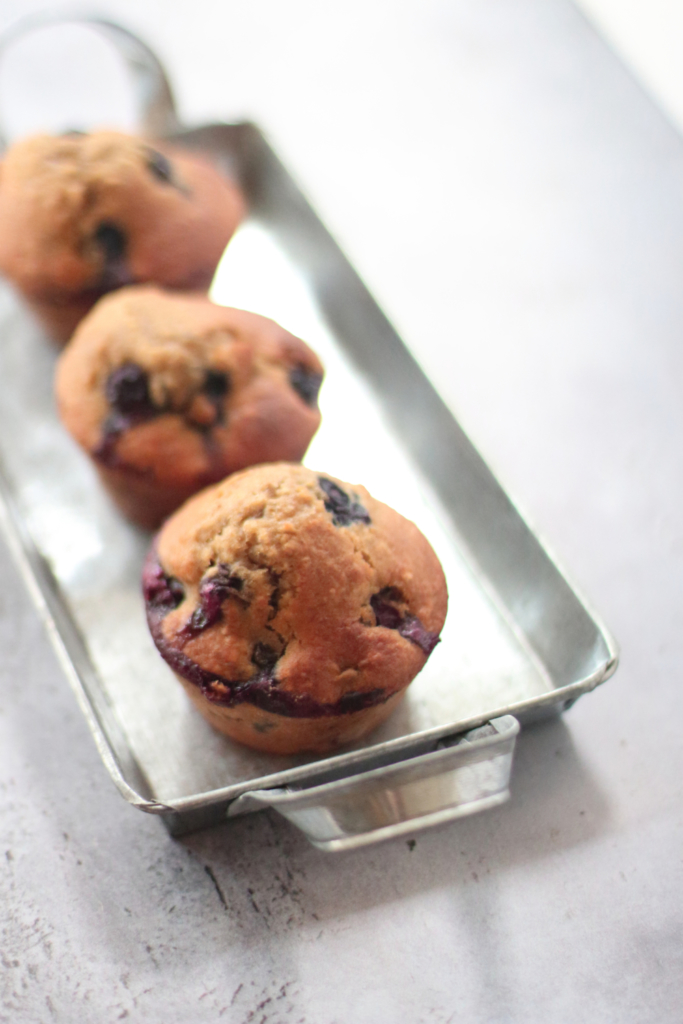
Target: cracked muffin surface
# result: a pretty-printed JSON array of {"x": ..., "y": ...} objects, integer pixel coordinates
[
  {"x": 169, "y": 393},
  {"x": 82, "y": 214},
  {"x": 294, "y": 608}
]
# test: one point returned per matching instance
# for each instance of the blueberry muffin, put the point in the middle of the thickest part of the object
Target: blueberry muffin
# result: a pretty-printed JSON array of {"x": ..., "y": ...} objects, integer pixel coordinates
[
  {"x": 293, "y": 608},
  {"x": 83, "y": 214},
  {"x": 169, "y": 393}
]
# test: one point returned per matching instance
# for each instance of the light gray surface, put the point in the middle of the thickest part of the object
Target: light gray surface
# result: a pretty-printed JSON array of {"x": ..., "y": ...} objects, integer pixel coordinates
[{"x": 516, "y": 205}]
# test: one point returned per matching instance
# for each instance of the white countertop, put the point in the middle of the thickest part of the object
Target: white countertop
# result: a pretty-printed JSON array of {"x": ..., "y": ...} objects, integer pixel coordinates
[{"x": 515, "y": 203}]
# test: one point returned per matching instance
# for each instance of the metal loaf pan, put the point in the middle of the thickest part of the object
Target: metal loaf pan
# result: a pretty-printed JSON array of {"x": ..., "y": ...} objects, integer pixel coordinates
[{"x": 519, "y": 643}]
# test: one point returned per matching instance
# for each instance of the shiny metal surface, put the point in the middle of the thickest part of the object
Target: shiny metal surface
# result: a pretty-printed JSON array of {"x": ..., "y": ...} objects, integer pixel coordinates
[
  {"x": 462, "y": 775},
  {"x": 156, "y": 106},
  {"x": 518, "y": 638}
]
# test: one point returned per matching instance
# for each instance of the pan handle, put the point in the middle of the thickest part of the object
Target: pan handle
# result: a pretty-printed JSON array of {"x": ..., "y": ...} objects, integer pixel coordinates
[
  {"x": 464, "y": 774},
  {"x": 157, "y": 111}
]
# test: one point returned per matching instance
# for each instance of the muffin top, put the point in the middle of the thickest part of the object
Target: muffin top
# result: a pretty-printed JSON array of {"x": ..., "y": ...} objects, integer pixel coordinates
[
  {"x": 294, "y": 591},
  {"x": 182, "y": 390},
  {"x": 95, "y": 211}
]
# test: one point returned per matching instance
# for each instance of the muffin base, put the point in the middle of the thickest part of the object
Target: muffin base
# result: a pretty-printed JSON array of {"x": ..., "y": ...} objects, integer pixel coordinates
[
  {"x": 278, "y": 734},
  {"x": 61, "y": 317},
  {"x": 141, "y": 499}
]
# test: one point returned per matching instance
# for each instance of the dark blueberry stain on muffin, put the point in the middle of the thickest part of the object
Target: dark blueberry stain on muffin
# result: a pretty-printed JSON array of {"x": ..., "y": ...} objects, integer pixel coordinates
[
  {"x": 408, "y": 626},
  {"x": 206, "y": 410},
  {"x": 306, "y": 383},
  {"x": 160, "y": 166},
  {"x": 264, "y": 656},
  {"x": 216, "y": 384},
  {"x": 111, "y": 239},
  {"x": 213, "y": 591},
  {"x": 105, "y": 451},
  {"x": 263, "y": 727},
  {"x": 356, "y": 700},
  {"x": 112, "y": 243},
  {"x": 163, "y": 593},
  {"x": 274, "y": 599},
  {"x": 386, "y": 612},
  {"x": 412, "y": 629},
  {"x": 127, "y": 391},
  {"x": 344, "y": 509}
]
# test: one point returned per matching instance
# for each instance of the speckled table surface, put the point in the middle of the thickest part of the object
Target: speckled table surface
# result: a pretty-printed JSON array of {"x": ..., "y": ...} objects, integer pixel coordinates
[{"x": 516, "y": 205}]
